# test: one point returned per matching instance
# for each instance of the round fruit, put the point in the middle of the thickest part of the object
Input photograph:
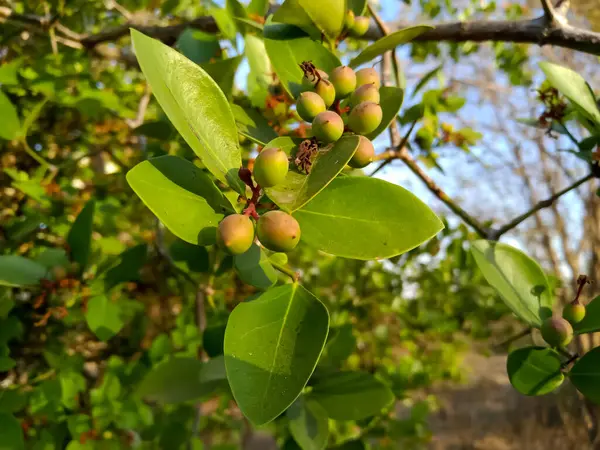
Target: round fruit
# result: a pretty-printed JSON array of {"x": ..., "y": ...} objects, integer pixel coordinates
[
  {"x": 574, "y": 313},
  {"x": 278, "y": 231},
  {"x": 349, "y": 22},
  {"x": 365, "y": 93},
  {"x": 310, "y": 104},
  {"x": 270, "y": 167},
  {"x": 235, "y": 233},
  {"x": 308, "y": 82},
  {"x": 328, "y": 127},
  {"x": 363, "y": 156},
  {"x": 557, "y": 332},
  {"x": 326, "y": 91},
  {"x": 59, "y": 273},
  {"x": 368, "y": 75},
  {"x": 360, "y": 26},
  {"x": 365, "y": 118},
  {"x": 344, "y": 81}
]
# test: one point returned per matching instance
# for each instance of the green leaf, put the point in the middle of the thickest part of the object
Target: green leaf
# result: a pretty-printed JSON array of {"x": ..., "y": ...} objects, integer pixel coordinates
[
  {"x": 258, "y": 7},
  {"x": 195, "y": 257},
  {"x": 253, "y": 125},
  {"x": 328, "y": 18},
  {"x": 519, "y": 280},
  {"x": 575, "y": 88},
  {"x": 194, "y": 104},
  {"x": 19, "y": 271},
  {"x": 358, "y": 7},
  {"x": 237, "y": 10},
  {"x": 182, "y": 196},
  {"x": 223, "y": 72},
  {"x": 591, "y": 321},
  {"x": 10, "y": 125},
  {"x": 366, "y": 218},
  {"x": 339, "y": 347},
  {"x": 254, "y": 268},
  {"x": 257, "y": 26},
  {"x": 180, "y": 379},
  {"x": 11, "y": 434},
  {"x": 272, "y": 345},
  {"x": 585, "y": 375},
  {"x": 79, "y": 238},
  {"x": 52, "y": 257},
  {"x": 260, "y": 75},
  {"x": 388, "y": 43},
  {"x": 298, "y": 189},
  {"x": 103, "y": 316},
  {"x": 309, "y": 424},
  {"x": 9, "y": 72},
  {"x": 425, "y": 79},
  {"x": 128, "y": 267},
  {"x": 391, "y": 102},
  {"x": 287, "y": 54},
  {"x": 291, "y": 12},
  {"x": 225, "y": 22},
  {"x": 198, "y": 46},
  {"x": 351, "y": 395},
  {"x": 534, "y": 370}
]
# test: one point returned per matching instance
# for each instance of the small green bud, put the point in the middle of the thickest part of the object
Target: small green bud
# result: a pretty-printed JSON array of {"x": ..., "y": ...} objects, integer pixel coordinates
[
  {"x": 308, "y": 83},
  {"x": 365, "y": 118},
  {"x": 368, "y": 75},
  {"x": 557, "y": 332},
  {"x": 360, "y": 26},
  {"x": 328, "y": 127},
  {"x": 235, "y": 234},
  {"x": 309, "y": 104},
  {"x": 343, "y": 79},
  {"x": 365, "y": 93},
  {"x": 574, "y": 313},
  {"x": 270, "y": 167},
  {"x": 349, "y": 22},
  {"x": 278, "y": 231},
  {"x": 363, "y": 156},
  {"x": 326, "y": 91}
]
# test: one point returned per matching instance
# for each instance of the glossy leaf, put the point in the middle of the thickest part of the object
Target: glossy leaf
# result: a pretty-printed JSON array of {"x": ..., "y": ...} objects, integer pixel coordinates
[
  {"x": 225, "y": 22},
  {"x": 291, "y": 12},
  {"x": 272, "y": 345},
  {"x": 11, "y": 433},
  {"x": 180, "y": 379},
  {"x": 79, "y": 238},
  {"x": 534, "y": 370},
  {"x": 298, "y": 188},
  {"x": 309, "y": 424},
  {"x": 10, "y": 126},
  {"x": 194, "y": 104},
  {"x": 103, "y": 316},
  {"x": 19, "y": 271},
  {"x": 358, "y": 7},
  {"x": 575, "y": 88},
  {"x": 198, "y": 46},
  {"x": 585, "y": 375},
  {"x": 286, "y": 55},
  {"x": 351, "y": 395},
  {"x": 391, "y": 102},
  {"x": 591, "y": 321},
  {"x": 253, "y": 125},
  {"x": 366, "y": 218},
  {"x": 388, "y": 43},
  {"x": 519, "y": 280},
  {"x": 181, "y": 196},
  {"x": 254, "y": 268},
  {"x": 328, "y": 18},
  {"x": 260, "y": 74}
]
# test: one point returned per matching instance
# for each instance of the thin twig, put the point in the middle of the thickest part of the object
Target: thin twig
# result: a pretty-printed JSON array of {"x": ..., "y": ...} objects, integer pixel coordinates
[
  {"x": 514, "y": 338},
  {"x": 394, "y": 153},
  {"x": 287, "y": 271}
]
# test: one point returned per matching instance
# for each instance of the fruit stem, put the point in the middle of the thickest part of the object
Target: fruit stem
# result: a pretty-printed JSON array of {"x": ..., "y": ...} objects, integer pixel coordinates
[
  {"x": 582, "y": 280},
  {"x": 287, "y": 271}
]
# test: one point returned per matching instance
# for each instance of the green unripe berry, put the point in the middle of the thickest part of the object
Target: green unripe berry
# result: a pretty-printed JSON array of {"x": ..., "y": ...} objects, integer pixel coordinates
[
  {"x": 363, "y": 156},
  {"x": 59, "y": 273},
  {"x": 365, "y": 93},
  {"x": 310, "y": 104},
  {"x": 349, "y": 21},
  {"x": 343, "y": 79},
  {"x": 278, "y": 231},
  {"x": 365, "y": 118},
  {"x": 328, "y": 127},
  {"x": 308, "y": 83},
  {"x": 574, "y": 313},
  {"x": 270, "y": 167},
  {"x": 326, "y": 91},
  {"x": 360, "y": 26},
  {"x": 368, "y": 75},
  {"x": 557, "y": 332},
  {"x": 235, "y": 234}
]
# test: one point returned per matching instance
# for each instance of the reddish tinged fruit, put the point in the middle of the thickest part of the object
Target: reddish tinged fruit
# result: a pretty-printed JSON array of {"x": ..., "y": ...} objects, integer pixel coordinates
[
  {"x": 365, "y": 93},
  {"x": 326, "y": 91},
  {"x": 343, "y": 79},
  {"x": 360, "y": 26},
  {"x": 349, "y": 22},
  {"x": 310, "y": 104},
  {"x": 270, "y": 167},
  {"x": 365, "y": 118},
  {"x": 367, "y": 75},
  {"x": 328, "y": 127},
  {"x": 574, "y": 313},
  {"x": 235, "y": 234},
  {"x": 363, "y": 156},
  {"x": 278, "y": 231},
  {"x": 557, "y": 332}
]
